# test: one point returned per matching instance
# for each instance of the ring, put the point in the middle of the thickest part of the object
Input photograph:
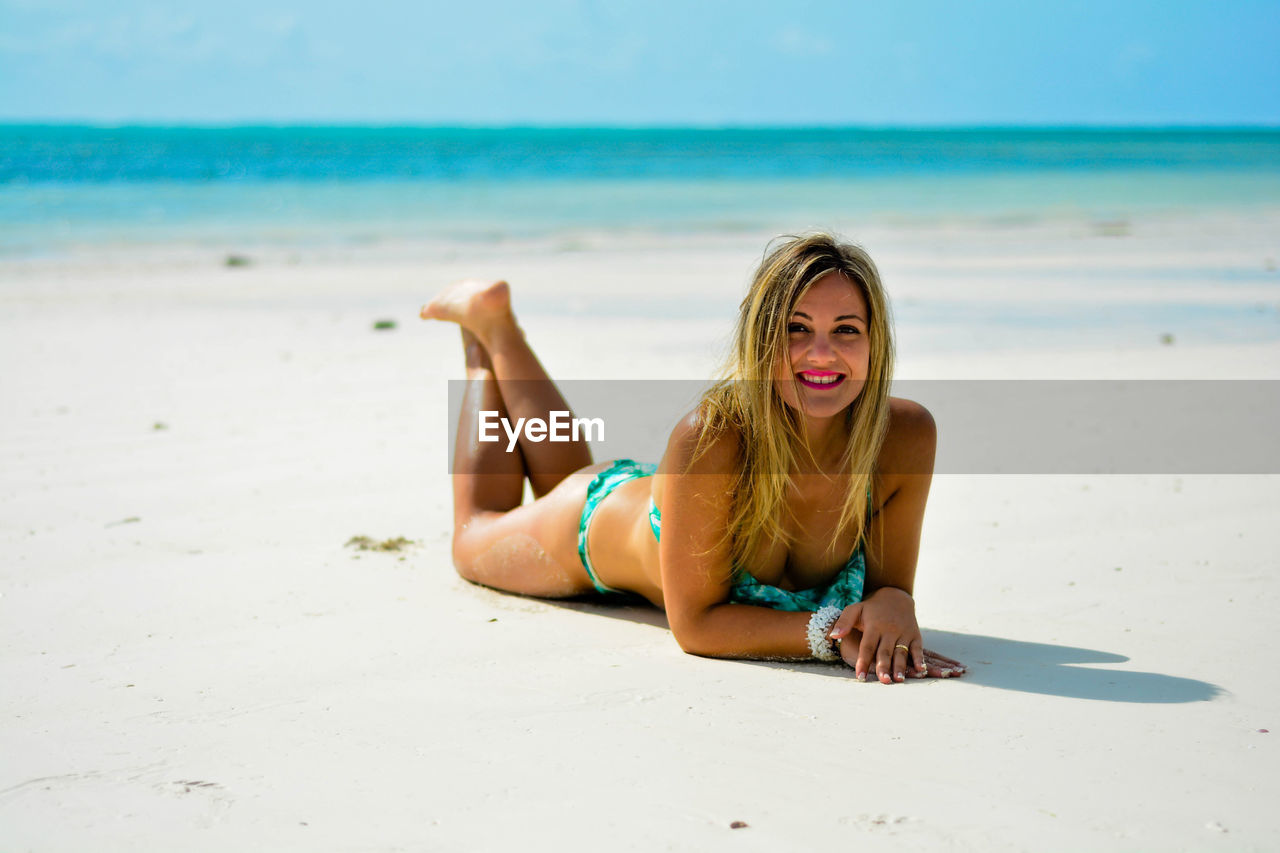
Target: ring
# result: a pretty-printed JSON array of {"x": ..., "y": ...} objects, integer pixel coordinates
[{"x": 901, "y": 646}]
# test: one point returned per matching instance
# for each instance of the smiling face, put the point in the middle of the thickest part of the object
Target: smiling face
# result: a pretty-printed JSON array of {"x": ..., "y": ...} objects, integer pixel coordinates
[{"x": 828, "y": 350}]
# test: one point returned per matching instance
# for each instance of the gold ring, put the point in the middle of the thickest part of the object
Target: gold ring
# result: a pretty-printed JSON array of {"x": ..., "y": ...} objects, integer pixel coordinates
[{"x": 900, "y": 646}]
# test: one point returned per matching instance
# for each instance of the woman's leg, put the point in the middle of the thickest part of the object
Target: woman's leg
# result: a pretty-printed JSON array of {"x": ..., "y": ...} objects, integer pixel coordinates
[
  {"x": 484, "y": 309},
  {"x": 529, "y": 549},
  {"x": 486, "y": 477}
]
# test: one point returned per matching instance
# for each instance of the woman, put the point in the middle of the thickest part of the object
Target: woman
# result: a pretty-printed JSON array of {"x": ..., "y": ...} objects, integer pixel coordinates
[{"x": 796, "y": 460}]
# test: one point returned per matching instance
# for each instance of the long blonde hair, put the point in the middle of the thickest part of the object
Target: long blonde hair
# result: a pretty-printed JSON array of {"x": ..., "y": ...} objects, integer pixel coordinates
[{"x": 744, "y": 401}]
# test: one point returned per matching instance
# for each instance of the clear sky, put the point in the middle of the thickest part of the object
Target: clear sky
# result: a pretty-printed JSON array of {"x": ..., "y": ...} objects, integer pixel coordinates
[{"x": 675, "y": 62}]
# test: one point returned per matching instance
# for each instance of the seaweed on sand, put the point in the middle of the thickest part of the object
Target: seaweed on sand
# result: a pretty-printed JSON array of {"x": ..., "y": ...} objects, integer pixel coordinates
[{"x": 364, "y": 543}]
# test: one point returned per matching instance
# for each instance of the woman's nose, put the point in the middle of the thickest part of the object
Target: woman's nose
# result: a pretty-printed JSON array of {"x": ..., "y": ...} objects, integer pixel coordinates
[{"x": 820, "y": 350}]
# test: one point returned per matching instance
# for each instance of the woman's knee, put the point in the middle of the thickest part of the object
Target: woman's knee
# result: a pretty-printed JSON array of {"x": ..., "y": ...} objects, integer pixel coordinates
[
  {"x": 514, "y": 561},
  {"x": 466, "y": 548}
]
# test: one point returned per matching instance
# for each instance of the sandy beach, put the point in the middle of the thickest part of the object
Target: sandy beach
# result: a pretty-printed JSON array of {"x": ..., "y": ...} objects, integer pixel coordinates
[{"x": 194, "y": 659}]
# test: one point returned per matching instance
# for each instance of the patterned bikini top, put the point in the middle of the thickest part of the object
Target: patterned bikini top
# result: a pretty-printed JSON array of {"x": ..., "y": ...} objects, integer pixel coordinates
[{"x": 844, "y": 590}]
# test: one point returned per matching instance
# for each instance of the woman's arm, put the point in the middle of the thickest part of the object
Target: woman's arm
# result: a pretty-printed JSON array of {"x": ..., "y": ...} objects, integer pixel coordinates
[
  {"x": 886, "y": 616},
  {"x": 696, "y": 564}
]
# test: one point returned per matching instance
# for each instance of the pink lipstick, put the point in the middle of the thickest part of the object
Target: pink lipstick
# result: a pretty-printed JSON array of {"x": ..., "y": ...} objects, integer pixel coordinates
[{"x": 822, "y": 380}]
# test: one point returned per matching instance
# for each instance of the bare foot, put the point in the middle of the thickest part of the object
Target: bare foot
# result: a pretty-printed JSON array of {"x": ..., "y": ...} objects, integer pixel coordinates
[{"x": 473, "y": 304}]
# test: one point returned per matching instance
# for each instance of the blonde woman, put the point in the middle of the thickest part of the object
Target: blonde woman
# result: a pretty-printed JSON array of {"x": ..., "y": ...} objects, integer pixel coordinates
[{"x": 784, "y": 518}]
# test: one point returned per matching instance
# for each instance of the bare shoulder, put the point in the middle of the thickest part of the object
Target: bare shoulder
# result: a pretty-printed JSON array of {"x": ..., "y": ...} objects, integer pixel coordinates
[
  {"x": 691, "y": 451},
  {"x": 911, "y": 420},
  {"x": 911, "y": 441}
]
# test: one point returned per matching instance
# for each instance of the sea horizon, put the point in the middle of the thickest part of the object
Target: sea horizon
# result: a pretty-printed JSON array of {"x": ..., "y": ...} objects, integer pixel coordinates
[
  {"x": 249, "y": 123},
  {"x": 70, "y": 186}
]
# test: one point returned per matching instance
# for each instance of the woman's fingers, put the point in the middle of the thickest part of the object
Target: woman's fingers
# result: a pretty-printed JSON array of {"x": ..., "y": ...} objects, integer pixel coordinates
[
  {"x": 899, "y": 655},
  {"x": 891, "y": 656},
  {"x": 942, "y": 667},
  {"x": 847, "y": 622},
  {"x": 884, "y": 660},
  {"x": 867, "y": 650},
  {"x": 918, "y": 655},
  {"x": 900, "y": 661},
  {"x": 890, "y": 660},
  {"x": 945, "y": 661}
]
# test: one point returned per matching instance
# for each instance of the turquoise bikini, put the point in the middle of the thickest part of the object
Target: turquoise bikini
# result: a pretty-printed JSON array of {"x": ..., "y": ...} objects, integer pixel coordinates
[
  {"x": 844, "y": 590},
  {"x": 622, "y": 471}
]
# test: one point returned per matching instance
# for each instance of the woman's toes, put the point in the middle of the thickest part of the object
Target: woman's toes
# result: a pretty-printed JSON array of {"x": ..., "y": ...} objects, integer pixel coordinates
[{"x": 469, "y": 302}]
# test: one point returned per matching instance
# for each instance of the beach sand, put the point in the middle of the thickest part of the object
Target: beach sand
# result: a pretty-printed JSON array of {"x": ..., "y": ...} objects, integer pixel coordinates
[{"x": 193, "y": 659}]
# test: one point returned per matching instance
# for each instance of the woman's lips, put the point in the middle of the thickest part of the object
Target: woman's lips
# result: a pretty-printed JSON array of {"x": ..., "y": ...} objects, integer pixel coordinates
[{"x": 823, "y": 380}]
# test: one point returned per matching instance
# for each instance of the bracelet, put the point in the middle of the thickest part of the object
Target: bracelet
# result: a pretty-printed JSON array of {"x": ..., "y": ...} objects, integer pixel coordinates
[{"x": 820, "y": 645}]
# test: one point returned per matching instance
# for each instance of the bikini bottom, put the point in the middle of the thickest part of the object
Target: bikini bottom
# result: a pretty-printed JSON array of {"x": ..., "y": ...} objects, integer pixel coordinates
[{"x": 618, "y": 472}]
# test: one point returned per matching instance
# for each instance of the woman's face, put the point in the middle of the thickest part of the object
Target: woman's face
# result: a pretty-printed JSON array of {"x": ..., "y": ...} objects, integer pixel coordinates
[{"x": 828, "y": 351}]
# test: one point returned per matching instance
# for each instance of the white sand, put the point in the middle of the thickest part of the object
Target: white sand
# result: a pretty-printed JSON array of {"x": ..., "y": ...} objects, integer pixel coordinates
[{"x": 192, "y": 660}]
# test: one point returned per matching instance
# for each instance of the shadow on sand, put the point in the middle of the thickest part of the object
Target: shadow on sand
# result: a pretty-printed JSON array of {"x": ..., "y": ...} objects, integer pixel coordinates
[{"x": 997, "y": 662}]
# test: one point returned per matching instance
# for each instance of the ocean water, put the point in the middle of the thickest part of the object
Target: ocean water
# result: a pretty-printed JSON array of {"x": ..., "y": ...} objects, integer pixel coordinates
[{"x": 63, "y": 188}]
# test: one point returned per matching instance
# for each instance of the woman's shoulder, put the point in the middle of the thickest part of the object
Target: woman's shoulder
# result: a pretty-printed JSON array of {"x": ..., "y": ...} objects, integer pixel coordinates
[
  {"x": 697, "y": 445},
  {"x": 910, "y": 417},
  {"x": 911, "y": 439}
]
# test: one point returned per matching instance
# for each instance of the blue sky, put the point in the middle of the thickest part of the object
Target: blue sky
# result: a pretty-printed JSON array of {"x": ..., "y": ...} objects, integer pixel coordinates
[{"x": 658, "y": 62}]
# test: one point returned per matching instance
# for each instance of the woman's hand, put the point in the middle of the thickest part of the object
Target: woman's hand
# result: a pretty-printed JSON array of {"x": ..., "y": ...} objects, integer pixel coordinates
[
  {"x": 890, "y": 638},
  {"x": 937, "y": 666}
]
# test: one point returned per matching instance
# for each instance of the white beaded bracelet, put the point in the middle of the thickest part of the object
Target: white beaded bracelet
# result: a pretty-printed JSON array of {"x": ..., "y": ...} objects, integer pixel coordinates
[{"x": 820, "y": 646}]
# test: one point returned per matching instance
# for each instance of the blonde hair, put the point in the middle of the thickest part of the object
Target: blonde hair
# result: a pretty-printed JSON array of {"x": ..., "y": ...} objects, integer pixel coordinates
[{"x": 745, "y": 403}]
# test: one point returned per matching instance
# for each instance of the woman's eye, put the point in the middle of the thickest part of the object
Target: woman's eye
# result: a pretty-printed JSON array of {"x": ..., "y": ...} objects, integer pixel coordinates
[{"x": 796, "y": 327}]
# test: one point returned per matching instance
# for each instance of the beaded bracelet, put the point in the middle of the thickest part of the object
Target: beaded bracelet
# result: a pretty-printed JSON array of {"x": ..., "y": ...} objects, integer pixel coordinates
[{"x": 820, "y": 645}]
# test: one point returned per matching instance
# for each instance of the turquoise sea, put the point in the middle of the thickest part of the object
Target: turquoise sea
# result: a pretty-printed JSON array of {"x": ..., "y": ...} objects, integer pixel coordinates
[{"x": 68, "y": 187}]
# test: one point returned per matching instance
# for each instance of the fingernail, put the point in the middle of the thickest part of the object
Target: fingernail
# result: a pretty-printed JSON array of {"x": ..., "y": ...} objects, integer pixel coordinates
[
  {"x": 862, "y": 676},
  {"x": 898, "y": 676}
]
